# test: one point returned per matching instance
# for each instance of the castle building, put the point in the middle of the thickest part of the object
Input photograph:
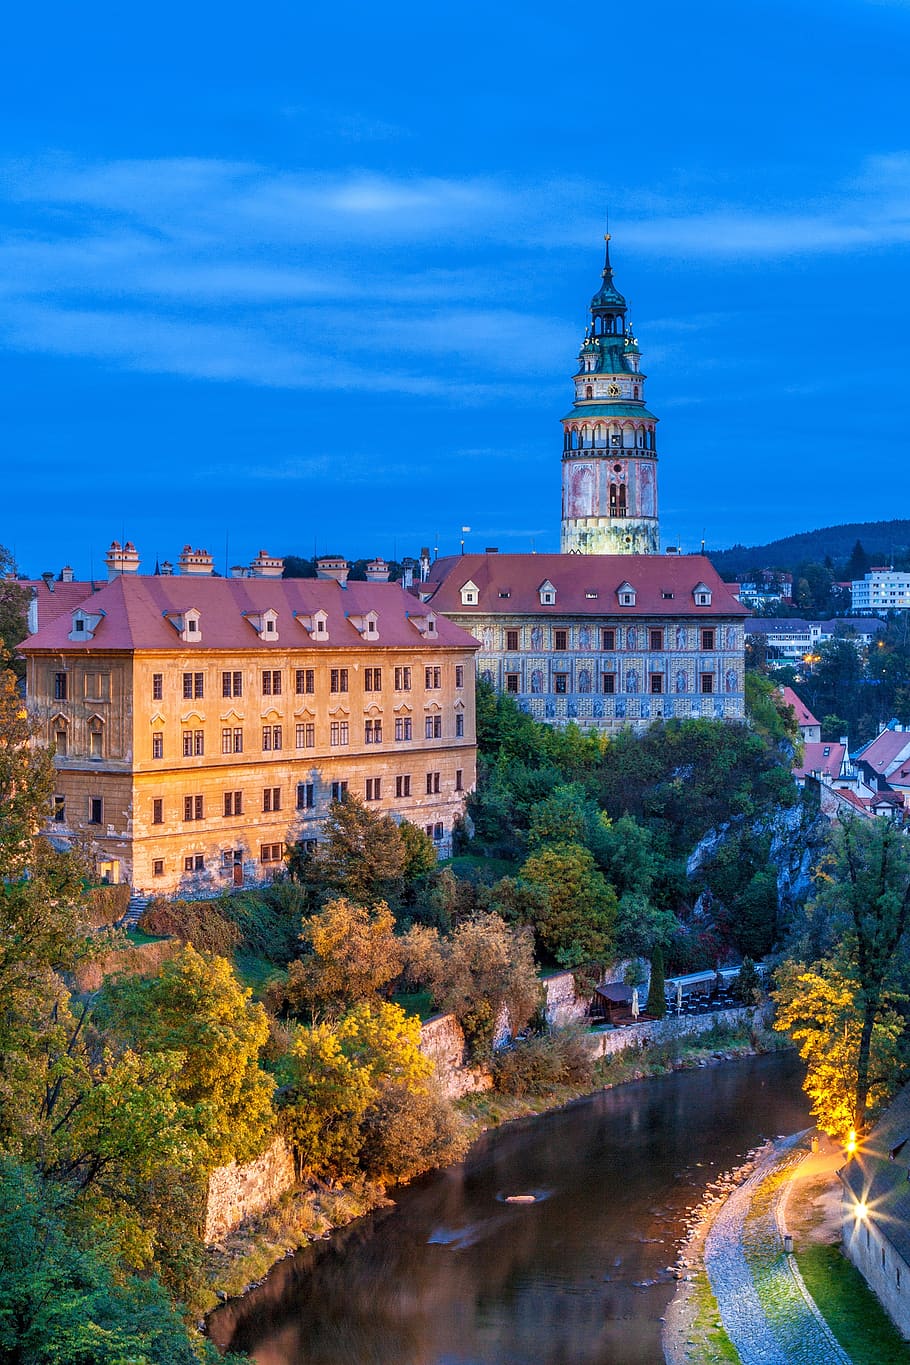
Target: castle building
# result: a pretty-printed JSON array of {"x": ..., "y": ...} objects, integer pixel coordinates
[
  {"x": 609, "y": 460},
  {"x": 200, "y": 724}
]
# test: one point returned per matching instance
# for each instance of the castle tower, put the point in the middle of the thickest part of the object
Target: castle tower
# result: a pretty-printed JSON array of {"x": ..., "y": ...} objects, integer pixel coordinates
[{"x": 609, "y": 460}]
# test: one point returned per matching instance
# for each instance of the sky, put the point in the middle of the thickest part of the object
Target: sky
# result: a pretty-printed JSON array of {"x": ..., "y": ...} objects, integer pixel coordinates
[{"x": 314, "y": 277}]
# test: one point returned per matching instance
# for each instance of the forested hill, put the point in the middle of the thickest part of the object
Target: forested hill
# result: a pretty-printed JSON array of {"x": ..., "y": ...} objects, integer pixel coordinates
[{"x": 882, "y": 541}]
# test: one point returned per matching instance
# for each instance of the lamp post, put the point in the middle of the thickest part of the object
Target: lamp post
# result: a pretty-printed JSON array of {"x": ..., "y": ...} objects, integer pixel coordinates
[{"x": 465, "y": 530}]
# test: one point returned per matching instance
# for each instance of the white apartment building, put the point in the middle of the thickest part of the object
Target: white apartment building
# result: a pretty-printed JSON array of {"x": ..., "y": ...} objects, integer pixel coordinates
[{"x": 881, "y": 590}]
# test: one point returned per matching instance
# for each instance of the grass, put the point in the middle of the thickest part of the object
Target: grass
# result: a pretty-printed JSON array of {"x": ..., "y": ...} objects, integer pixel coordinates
[
  {"x": 415, "y": 1002},
  {"x": 254, "y": 972},
  {"x": 849, "y": 1307},
  {"x": 137, "y": 938},
  {"x": 706, "y": 1329},
  {"x": 476, "y": 868}
]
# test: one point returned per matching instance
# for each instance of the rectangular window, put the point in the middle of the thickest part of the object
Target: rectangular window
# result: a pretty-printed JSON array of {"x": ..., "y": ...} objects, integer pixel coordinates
[
  {"x": 372, "y": 680},
  {"x": 59, "y": 809},
  {"x": 305, "y": 681},
  {"x": 187, "y": 744},
  {"x": 192, "y": 808},
  {"x": 372, "y": 732},
  {"x": 338, "y": 733},
  {"x": 339, "y": 680},
  {"x": 374, "y": 788},
  {"x": 158, "y": 867},
  {"x": 194, "y": 862},
  {"x": 60, "y": 743},
  {"x": 270, "y": 853},
  {"x": 402, "y": 727},
  {"x": 198, "y": 743},
  {"x": 97, "y": 686},
  {"x": 277, "y": 737},
  {"x": 433, "y": 784},
  {"x": 95, "y": 743},
  {"x": 433, "y": 678},
  {"x": 655, "y": 639},
  {"x": 233, "y": 803},
  {"x": 95, "y": 810},
  {"x": 459, "y": 780},
  {"x": 560, "y": 682},
  {"x": 238, "y": 740},
  {"x": 459, "y": 725},
  {"x": 402, "y": 680},
  {"x": 232, "y": 684},
  {"x": 339, "y": 791},
  {"x": 433, "y": 727},
  {"x": 158, "y": 744},
  {"x": 459, "y": 675},
  {"x": 271, "y": 798},
  {"x": 608, "y": 638},
  {"x": 157, "y": 686},
  {"x": 60, "y": 687},
  {"x": 438, "y": 832},
  {"x": 657, "y": 684},
  {"x": 305, "y": 735},
  {"x": 512, "y": 680},
  {"x": 707, "y": 682},
  {"x": 271, "y": 737},
  {"x": 609, "y": 683},
  {"x": 227, "y": 741},
  {"x": 403, "y": 785},
  {"x": 306, "y": 795},
  {"x": 271, "y": 682},
  {"x": 198, "y": 685},
  {"x": 511, "y": 641},
  {"x": 560, "y": 639},
  {"x": 158, "y": 811},
  {"x": 707, "y": 639}
]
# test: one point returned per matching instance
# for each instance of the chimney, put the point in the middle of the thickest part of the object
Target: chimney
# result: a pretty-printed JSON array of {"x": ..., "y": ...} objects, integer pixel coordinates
[
  {"x": 239, "y": 571},
  {"x": 377, "y": 571},
  {"x": 424, "y": 563},
  {"x": 166, "y": 570},
  {"x": 492, "y": 550},
  {"x": 196, "y": 562},
  {"x": 333, "y": 566},
  {"x": 121, "y": 559},
  {"x": 66, "y": 574},
  {"x": 407, "y": 573},
  {"x": 266, "y": 566}
]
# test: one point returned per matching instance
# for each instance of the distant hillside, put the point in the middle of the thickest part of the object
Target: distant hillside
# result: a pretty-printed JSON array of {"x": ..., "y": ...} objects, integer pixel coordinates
[{"x": 882, "y": 541}]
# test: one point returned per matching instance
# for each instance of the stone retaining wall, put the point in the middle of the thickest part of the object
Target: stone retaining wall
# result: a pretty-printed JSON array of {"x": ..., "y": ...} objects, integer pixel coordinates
[
  {"x": 442, "y": 1040},
  {"x": 653, "y": 1032},
  {"x": 238, "y": 1192}
]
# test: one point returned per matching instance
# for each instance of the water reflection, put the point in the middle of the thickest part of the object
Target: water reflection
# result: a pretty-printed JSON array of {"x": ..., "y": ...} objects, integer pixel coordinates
[{"x": 454, "y": 1275}]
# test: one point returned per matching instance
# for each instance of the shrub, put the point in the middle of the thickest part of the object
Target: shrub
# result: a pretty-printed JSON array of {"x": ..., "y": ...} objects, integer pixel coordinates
[
  {"x": 107, "y": 904},
  {"x": 536, "y": 1065},
  {"x": 201, "y": 923}
]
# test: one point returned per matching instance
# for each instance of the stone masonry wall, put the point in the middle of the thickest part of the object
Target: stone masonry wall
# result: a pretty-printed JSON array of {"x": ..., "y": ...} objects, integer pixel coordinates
[
  {"x": 237, "y": 1192},
  {"x": 443, "y": 1041}
]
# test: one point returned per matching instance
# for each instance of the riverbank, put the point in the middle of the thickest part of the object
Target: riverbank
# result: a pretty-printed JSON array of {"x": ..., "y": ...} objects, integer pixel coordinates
[{"x": 243, "y": 1258}]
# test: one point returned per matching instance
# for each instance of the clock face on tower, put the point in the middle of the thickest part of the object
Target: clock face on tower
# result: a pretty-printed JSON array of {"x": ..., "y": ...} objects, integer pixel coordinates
[{"x": 613, "y": 390}]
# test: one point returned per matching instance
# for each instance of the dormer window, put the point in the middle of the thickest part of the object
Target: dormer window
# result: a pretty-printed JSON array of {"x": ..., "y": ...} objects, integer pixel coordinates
[
  {"x": 79, "y": 624},
  {"x": 84, "y": 624},
  {"x": 470, "y": 594},
  {"x": 626, "y": 595},
  {"x": 702, "y": 595},
  {"x": 192, "y": 626},
  {"x": 547, "y": 593}
]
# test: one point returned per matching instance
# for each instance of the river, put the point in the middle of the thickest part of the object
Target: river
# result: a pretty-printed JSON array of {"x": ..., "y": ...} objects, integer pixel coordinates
[{"x": 454, "y": 1275}]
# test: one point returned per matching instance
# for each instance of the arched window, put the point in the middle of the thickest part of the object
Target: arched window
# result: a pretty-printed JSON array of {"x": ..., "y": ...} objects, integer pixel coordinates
[{"x": 589, "y": 390}]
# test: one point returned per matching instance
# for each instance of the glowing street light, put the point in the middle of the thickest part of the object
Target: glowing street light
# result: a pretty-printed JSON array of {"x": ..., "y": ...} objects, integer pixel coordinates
[{"x": 851, "y": 1142}]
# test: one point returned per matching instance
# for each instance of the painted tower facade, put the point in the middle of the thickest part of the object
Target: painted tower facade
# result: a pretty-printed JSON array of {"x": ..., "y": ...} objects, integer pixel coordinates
[{"x": 609, "y": 461}]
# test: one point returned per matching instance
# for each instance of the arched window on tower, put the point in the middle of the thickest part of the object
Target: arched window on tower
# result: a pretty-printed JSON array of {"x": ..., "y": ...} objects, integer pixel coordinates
[
  {"x": 640, "y": 439},
  {"x": 589, "y": 390}
]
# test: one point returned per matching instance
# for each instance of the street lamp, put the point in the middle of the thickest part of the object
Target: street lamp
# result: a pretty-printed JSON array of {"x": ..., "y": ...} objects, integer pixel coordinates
[{"x": 464, "y": 531}]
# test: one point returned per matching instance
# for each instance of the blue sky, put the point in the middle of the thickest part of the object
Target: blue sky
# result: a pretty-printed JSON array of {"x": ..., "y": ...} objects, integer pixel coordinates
[{"x": 290, "y": 275}]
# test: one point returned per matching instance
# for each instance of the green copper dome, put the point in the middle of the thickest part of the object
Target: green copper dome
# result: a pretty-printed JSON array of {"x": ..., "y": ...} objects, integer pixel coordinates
[{"x": 608, "y": 297}]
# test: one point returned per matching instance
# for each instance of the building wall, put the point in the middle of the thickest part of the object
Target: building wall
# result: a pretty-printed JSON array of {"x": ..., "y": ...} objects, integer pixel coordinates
[{"x": 885, "y": 1272}]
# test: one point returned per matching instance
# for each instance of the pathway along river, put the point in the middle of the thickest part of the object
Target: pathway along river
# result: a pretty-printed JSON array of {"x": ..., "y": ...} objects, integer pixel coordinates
[{"x": 453, "y": 1275}]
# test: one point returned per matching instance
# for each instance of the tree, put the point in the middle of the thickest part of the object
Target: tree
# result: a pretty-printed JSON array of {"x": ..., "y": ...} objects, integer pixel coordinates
[
  {"x": 657, "y": 995},
  {"x": 362, "y": 855},
  {"x": 857, "y": 565},
  {"x": 577, "y": 924},
  {"x": 747, "y": 986},
  {"x": 564, "y": 816},
  {"x": 14, "y": 603},
  {"x": 353, "y": 955},
  {"x": 419, "y": 851},
  {"x": 641, "y": 927},
  {"x": 324, "y": 1104}
]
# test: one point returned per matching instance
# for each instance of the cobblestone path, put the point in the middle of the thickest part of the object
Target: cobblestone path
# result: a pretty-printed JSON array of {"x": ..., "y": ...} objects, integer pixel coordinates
[{"x": 765, "y": 1308}]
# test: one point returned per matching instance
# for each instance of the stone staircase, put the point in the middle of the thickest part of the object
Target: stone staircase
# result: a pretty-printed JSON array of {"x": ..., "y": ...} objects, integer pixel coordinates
[{"x": 137, "y": 905}]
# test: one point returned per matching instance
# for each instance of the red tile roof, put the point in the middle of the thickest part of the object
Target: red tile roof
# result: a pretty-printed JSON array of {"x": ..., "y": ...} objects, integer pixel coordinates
[
  {"x": 821, "y": 758},
  {"x": 135, "y": 617},
  {"x": 586, "y": 585},
  {"x": 886, "y": 751},
  {"x": 58, "y": 599},
  {"x": 803, "y": 715}
]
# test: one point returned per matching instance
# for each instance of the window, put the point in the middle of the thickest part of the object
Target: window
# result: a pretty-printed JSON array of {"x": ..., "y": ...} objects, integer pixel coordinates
[
  {"x": 232, "y": 684},
  {"x": 459, "y": 780},
  {"x": 608, "y": 639},
  {"x": 95, "y": 810},
  {"x": 271, "y": 682},
  {"x": 305, "y": 681},
  {"x": 512, "y": 640},
  {"x": 459, "y": 675},
  {"x": 238, "y": 740},
  {"x": 655, "y": 639},
  {"x": 433, "y": 677},
  {"x": 373, "y": 788},
  {"x": 306, "y": 735},
  {"x": 402, "y": 727},
  {"x": 707, "y": 639},
  {"x": 560, "y": 639},
  {"x": 192, "y": 808},
  {"x": 60, "y": 743},
  {"x": 271, "y": 737},
  {"x": 372, "y": 680},
  {"x": 372, "y": 731},
  {"x": 657, "y": 684},
  {"x": 433, "y": 727},
  {"x": 158, "y": 744},
  {"x": 270, "y": 853},
  {"x": 511, "y": 682},
  {"x": 97, "y": 686},
  {"x": 59, "y": 687},
  {"x": 306, "y": 795},
  {"x": 560, "y": 682},
  {"x": 403, "y": 785},
  {"x": 608, "y": 681},
  {"x": 433, "y": 784},
  {"x": 232, "y": 741},
  {"x": 438, "y": 832},
  {"x": 96, "y": 741},
  {"x": 233, "y": 803},
  {"x": 459, "y": 725},
  {"x": 193, "y": 743},
  {"x": 158, "y": 811},
  {"x": 707, "y": 682},
  {"x": 339, "y": 680},
  {"x": 59, "y": 809},
  {"x": 338, "y": 733},
  {"x": 157, "y": 686},
  {"x": 158, "y": 867},
  {"x": 271, "y": 798},
  {"x": 402, "y": 680},
  {"x": 194, "y": 862},
  {"x": 339, "y": 791},
  {"x": 193, "y": 685}
]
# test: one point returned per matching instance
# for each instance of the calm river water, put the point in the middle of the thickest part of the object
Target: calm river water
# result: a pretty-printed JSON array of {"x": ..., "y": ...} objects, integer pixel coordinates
[{"x": 453, "y": 1275}]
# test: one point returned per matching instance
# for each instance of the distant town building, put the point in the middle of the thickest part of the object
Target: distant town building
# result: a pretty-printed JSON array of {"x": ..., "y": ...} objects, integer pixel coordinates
[
  {"x": 767, "y": 589},
  {"x": 793, "y": 640},
  {"x": 604, "y": 640},
  {"x": 809, "y": 728},
  {"x": 881, "y": 590}
]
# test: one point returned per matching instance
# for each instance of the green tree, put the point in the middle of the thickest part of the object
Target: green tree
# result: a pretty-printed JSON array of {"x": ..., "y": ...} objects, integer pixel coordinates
[
  {"x": 324, "y": 1104},
  {"x": 361, "y": 855},
  {"x": 564, "y": 816},
  {"x": 419, "y": 851},
  {"x": 14, "y": 603},
  {"x": 578, "y": 921},
  {"x": 641, "y": 927},
  {"x": 353, "y": 956},
  {"x": 657, "y": 996}
]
